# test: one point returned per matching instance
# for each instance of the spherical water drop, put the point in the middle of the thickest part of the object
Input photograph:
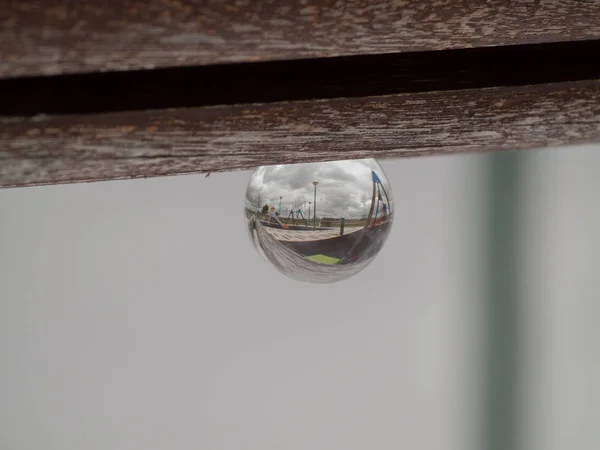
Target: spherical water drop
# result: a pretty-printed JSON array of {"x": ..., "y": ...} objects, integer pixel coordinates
[{"x": 319, "y": 222}]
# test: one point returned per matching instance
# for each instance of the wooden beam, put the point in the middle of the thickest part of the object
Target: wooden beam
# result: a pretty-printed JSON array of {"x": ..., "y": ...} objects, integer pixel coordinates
[
  {"x": 75, "y": 148},
  {"x": 43, "y": 37}
]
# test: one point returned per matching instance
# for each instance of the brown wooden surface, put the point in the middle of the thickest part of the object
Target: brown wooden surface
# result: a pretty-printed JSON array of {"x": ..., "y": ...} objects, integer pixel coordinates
[
  {"x": 47, "y": 150},
  {"x": 69, "y": 36}
]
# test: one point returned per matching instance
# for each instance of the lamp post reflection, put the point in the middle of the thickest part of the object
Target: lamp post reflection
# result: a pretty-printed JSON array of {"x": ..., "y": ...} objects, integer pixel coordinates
[{"x": 315, "y": 183}]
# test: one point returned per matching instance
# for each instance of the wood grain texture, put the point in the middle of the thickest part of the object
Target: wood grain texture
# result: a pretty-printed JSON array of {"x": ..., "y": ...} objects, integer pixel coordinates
[
  {"x": 61, "y": 149},
  {"x": 73, "y": 36}
]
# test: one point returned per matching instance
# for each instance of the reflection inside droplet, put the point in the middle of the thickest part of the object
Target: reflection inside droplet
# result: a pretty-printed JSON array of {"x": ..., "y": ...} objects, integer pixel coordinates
[{"x": 319, "y": 222}]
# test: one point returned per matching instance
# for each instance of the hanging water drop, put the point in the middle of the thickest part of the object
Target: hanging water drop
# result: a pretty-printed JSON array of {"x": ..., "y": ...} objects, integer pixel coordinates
[{"x": 319, "y": 222}]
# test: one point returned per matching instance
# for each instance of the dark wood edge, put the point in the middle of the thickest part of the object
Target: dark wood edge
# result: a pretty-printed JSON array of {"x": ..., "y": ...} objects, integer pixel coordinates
[{"x": 325, "y": 78}]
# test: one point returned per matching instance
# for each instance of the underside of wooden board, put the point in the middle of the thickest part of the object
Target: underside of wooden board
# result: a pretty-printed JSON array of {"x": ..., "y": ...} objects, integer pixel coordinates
[
  {"x": 47, "y": 150},
  {"x": 42, "y": 37}
]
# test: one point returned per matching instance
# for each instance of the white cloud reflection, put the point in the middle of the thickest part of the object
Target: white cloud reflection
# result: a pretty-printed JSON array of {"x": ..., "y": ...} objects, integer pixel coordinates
[{"x": 344, "y": 190}]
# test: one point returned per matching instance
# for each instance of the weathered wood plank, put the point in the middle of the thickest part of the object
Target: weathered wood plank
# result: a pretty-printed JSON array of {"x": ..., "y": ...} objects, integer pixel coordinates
[
  {"x": 73, "y": 36},
  {"x": 48, "y": 150}
]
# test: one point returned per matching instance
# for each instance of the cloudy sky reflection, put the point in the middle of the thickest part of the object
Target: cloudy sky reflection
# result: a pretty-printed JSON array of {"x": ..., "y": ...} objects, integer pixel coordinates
[{"x": 344, "y": 190}]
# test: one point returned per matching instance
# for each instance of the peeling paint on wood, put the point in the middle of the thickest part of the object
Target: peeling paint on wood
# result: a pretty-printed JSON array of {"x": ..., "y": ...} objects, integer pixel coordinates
[
  {"x": 50, "y": 150},
  {"x": 74, "y": 36}
]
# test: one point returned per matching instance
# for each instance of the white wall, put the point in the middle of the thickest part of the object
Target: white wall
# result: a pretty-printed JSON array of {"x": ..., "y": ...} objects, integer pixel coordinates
[
  {"x": 561, "y": 293},
  {"x": 135, "y": 314}
]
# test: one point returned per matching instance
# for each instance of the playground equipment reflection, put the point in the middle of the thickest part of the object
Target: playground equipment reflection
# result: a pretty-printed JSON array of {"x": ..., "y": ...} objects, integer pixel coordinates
[{"x": 352, "y": 214}]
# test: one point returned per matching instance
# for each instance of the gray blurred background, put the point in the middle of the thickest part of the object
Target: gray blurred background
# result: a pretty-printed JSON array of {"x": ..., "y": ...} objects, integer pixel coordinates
[{"x": 137, "y": 315}]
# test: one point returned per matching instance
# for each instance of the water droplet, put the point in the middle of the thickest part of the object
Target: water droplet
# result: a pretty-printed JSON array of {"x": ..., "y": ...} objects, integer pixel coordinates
[{"x": 319, "y": 222}]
